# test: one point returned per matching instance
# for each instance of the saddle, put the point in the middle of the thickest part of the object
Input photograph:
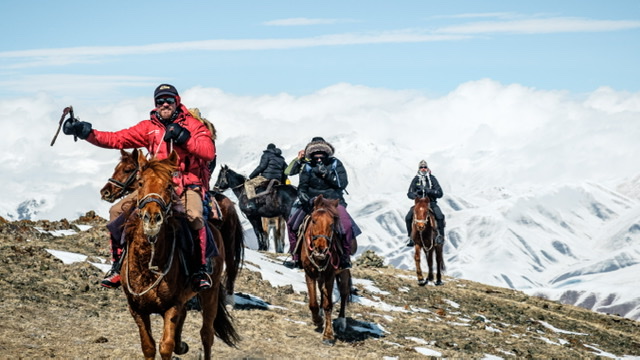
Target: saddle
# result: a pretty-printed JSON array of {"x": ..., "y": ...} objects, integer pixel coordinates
[{"x": 269, "y": 188}]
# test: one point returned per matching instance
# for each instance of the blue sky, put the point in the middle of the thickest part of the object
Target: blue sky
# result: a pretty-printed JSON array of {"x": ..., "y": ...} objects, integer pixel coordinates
[{"x": 96, "y": 50}]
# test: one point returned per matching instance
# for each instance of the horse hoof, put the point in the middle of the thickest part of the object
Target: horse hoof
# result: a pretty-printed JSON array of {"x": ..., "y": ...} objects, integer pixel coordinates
[
  {"x": 329, "y": 342},
  {"x": 422, "y": 282},
  {"x": 340, "y": 324},
  {"x": 438, "y": 283},
  {"x": 182, "y": 349}
]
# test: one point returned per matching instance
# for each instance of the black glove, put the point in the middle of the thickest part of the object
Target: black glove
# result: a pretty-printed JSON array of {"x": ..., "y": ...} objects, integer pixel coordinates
[
  {"x": 321, "y": 170},
  {"x": 81, "y": 129},
  {"x": 432, "y": 192},
  {"x": 177, "y": 133},
  {"x": 305, "y": 202}
]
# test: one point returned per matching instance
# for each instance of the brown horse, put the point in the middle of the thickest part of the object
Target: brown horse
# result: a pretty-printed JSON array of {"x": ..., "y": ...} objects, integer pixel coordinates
[
  {"x": 123, "y": 182},
  {"x": 154, "y": 278},
  {"x": 275, "y": 227},
  {"x": 320, "y": 258},
  {"x": 423, "y": 233}
]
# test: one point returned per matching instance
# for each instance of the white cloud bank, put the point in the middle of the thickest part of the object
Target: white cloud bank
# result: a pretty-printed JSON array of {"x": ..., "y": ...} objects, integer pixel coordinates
[{"x": 482, "y": 134}]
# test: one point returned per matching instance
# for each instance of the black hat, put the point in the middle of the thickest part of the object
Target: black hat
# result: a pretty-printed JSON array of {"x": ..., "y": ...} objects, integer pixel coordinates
[
  {"x": 165, "y": 89},
  {"x": 318, "y": 138},
  {"x": 271, "y": 146}
]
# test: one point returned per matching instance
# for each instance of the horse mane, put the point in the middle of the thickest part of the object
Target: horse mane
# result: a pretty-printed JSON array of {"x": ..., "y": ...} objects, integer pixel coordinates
[
  {"x": 162, "y": 169},
  {"x": 328, "y": 206}
]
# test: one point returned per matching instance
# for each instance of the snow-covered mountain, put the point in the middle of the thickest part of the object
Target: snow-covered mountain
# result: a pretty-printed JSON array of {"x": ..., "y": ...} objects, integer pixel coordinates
[{"x": 541, "y": 188}]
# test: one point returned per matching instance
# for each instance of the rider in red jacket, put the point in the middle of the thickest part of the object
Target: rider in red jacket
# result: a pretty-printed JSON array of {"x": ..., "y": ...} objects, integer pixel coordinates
[{"x": 170, "y": 127}]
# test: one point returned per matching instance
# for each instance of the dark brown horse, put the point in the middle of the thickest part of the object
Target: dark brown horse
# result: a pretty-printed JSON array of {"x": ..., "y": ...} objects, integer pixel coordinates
[
  {"x": 320, "y": 258},
  {"x": 153, "y": 276},
  {"x": 123, "y": 182},
  {"x": 423, "y": 233}
]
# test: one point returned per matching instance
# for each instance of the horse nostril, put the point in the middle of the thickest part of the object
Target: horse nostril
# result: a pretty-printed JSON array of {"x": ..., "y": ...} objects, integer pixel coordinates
[
  {"x": 158, "y": 218},
  {"x": 146, "y": 217}
]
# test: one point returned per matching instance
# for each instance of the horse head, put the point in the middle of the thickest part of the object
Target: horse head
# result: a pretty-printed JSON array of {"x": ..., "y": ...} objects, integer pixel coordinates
[
  {"x": 155, "y": 191},
  {"x": 421, "y": 213},
  {"x": 321, "y": 228},
  {"x": 122, "y": 181},
  {"x": 228, "y": 178}
]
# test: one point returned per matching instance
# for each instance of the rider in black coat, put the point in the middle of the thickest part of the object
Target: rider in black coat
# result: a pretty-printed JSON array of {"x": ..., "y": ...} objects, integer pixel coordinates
[
  {"x": 322, "y": 175},
  {"x": 272, "y": 164},
  {"x": 424, "y": 184}
]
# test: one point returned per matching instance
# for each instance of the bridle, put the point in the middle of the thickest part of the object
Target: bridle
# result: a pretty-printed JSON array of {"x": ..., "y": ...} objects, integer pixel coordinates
[
  {"x": 166, "y": 209},
  {"x": 425, "y": 222},
  {"x": 156, "y": 198},
  {"x": 326, "y": 252},
  {"x": 123, "y": 185}
]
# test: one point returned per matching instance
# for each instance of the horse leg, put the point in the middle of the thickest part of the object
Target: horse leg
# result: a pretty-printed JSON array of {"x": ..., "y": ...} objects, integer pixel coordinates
[
  {"x": 439, "y": 264},
  {"x": 430, "y": 264},
  {"x": 209, "y": 299},
  {"x": 313, "y": 301},
  {"x": 256, "y": 223},
  {"x": 181, "y": 347},
  {"x": 172, "y": 318},
  {"x": 280, "y": 233},
  {"x": 416, "y": 257},
  {"x": 146, "y": 339},
  {"x": 327, "y": 306},
  {"x": 344, "y": 285}
]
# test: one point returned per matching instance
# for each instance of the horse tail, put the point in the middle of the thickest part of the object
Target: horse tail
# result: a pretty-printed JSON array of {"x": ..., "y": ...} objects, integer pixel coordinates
[
  {"x": 350, "y": 283},
  {"x": 238, "y": 243},
  {"x": 222, "y": 325}
]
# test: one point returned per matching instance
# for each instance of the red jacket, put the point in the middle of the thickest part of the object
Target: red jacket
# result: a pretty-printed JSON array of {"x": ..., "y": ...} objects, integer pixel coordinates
[{"x": 194, "y": 155}]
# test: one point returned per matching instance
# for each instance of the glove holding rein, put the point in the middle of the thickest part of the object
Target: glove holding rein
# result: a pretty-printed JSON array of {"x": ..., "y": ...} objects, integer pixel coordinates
[{"x": 177, "y": 133}]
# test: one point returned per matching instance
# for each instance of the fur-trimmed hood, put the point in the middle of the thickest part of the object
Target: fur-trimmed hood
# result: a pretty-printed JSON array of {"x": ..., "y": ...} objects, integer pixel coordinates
[{"x": 318, "y": 146}]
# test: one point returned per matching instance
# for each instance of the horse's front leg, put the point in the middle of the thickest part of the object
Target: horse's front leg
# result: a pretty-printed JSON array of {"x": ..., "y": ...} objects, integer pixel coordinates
[
  {"x": 146, "y": 338},
  {"x": 430, "y": 264},
  {"x": 180, "y": 346},
  {"x": 313, "y": 301},
  {"x": 327, "y": 306},
  {"x": 172, "y": 318},
  {"x": 416, "y": 256}
]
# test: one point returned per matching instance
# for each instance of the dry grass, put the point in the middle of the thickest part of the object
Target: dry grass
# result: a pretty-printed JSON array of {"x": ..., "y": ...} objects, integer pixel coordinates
[{"x": 48, "y": 309}]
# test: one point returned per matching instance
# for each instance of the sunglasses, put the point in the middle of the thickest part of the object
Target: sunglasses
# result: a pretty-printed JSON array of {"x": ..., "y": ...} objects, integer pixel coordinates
[
  {"x": 423, "y": 167},
  {"x": 161, "y": 101}
]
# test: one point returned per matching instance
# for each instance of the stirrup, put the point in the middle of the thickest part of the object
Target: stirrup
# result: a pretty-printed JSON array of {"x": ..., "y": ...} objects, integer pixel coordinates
[
  {"x": 201, "y": 281},
  {"x": 111, "y": 280}
]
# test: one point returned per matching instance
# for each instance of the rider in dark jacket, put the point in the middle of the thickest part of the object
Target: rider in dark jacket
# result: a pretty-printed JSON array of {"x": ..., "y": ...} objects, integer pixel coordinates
[
  {"x": 271, "y": 167},
  {"x": 323, "y": 175},
  {"x": 272, "y": 164},
  {"x": 424, "y": 184}
]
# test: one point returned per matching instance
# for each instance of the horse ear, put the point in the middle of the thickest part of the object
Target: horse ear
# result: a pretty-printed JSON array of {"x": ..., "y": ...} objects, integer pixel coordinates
[
  {"x": 142, "y": 160},
  {"x": 173, "y": 157},
  {"x": 134, "y": 154},
  {"x": 123, "y": 153},
  {"x": 335, "y": 202}
]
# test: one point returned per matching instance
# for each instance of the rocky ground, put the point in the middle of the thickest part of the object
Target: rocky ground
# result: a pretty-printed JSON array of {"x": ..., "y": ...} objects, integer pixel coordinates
[{"x": 52, "y": 310}]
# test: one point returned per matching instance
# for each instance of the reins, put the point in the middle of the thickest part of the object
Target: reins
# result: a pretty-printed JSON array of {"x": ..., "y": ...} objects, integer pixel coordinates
[
  {"x": 151, "y": 267},
  {"x": 425, "y": 221}
]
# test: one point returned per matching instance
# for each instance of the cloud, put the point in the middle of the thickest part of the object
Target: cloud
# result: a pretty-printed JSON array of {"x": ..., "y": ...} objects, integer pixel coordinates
[
  {"x": 540, "y": 26},
  {"x": 66, "y": 56},
  {"x": 305, "y": 21}
]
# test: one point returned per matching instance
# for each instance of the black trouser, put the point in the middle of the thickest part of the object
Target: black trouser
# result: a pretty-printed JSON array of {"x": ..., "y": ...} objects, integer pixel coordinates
[{"x": 439, "y": 218}]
